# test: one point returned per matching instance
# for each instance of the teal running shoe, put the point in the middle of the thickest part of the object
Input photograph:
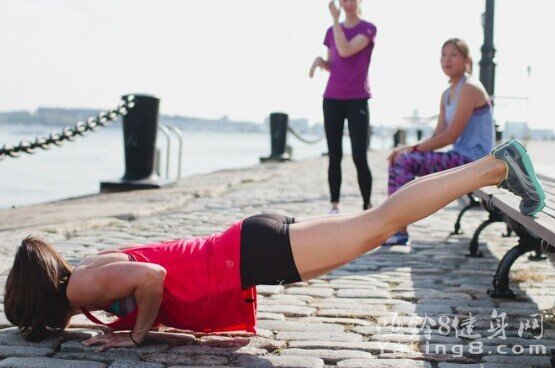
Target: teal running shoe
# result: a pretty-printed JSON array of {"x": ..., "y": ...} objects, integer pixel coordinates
[{"x": 521, "y": 178}]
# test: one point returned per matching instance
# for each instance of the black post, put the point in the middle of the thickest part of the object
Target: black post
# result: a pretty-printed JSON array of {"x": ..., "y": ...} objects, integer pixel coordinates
[
  {"x": 487, "y": 63},
  {"x": 139, "y": 138},
  {"x": 140, "y": 126},
  {"x": 399, "y": 137},
  {"x": 278, "y": 137}
]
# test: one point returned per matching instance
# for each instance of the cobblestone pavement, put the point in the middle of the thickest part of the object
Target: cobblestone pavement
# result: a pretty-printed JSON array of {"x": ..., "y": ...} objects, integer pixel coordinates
[{"x": 369, "y": 313}]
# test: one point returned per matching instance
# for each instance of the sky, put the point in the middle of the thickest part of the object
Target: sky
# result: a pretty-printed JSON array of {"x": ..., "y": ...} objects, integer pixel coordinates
[{"x": 246, "y": 58}]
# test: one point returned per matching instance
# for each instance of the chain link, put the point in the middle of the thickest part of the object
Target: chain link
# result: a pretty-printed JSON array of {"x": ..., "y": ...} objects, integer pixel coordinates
[
  {"x": 68, "y": 133},
  {"x": 301, "y": 138}
]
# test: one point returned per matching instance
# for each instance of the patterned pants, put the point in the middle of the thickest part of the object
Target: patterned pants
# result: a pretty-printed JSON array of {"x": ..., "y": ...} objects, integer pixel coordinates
[{"x": 410, "y": 165}]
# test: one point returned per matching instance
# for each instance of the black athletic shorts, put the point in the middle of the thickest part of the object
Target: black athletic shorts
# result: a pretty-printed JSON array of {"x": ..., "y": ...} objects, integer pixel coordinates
[{"x": 266, "y": 257}]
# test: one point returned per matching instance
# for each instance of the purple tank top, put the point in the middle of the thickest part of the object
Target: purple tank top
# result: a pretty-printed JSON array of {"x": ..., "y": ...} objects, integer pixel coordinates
[{"x": 348, "y": 78}]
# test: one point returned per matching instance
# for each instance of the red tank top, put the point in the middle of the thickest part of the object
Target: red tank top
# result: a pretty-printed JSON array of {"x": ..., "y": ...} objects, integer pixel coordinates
[{"x": 202, "y": 289}]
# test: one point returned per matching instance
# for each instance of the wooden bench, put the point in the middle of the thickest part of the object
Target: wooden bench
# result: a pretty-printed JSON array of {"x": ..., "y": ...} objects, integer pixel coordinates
[{"x": 533, "y": 232}]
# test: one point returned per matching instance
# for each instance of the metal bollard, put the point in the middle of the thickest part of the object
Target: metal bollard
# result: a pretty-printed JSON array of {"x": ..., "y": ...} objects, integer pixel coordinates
[
  {"x": 278, "y": 136},
  {"x": 400, "y": 137},
  {"x": 139, "y": 138}
]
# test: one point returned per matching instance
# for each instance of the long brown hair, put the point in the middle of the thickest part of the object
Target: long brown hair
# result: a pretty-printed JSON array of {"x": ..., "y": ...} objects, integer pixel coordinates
[
  {"x": 463, "y": 49},
  {"x": 35, "y": 298}
]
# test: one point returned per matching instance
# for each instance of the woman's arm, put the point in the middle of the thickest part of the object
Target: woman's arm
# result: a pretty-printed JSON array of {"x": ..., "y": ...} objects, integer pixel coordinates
[
  {"x": 441, "y": 123},
  {"x": 468, "y": 98},
  {"x": 445, "y": 134},
  {"x": 99, "y": 285},
  {"x": 345, "y": 48},
  {"x": 319, "y": 62}
]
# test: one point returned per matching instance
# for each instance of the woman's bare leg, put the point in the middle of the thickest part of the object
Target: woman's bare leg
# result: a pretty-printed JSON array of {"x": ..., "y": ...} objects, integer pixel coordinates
[
  {"x": 324, "y": 244},
  {"x": 299, "y": 219}
]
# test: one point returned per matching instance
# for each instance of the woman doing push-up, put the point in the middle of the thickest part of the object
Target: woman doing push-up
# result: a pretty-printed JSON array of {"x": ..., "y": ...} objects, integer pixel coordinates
[{"x": 208, "y": 284}]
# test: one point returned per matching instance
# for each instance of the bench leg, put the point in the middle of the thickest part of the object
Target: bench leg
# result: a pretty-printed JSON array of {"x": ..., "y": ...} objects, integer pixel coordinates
[
  {"x": 494, "y": 216},
  {"x": 526, "y": 243},
  {"x": 473, "y": 203},
  {"x": 509, "y": 232}
]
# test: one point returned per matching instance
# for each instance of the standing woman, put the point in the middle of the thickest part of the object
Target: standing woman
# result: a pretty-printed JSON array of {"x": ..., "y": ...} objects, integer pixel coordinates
[
  {"x": 465, "y": 121},
  {"x": 350, "y": 46}
]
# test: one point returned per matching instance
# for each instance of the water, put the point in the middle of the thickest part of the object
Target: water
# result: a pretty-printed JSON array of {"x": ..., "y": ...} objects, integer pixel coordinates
[{"x": 77, "y": 168}]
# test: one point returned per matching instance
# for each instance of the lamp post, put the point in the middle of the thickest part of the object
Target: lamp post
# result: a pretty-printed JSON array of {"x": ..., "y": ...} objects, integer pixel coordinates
[{"x": 487, "y": 65}]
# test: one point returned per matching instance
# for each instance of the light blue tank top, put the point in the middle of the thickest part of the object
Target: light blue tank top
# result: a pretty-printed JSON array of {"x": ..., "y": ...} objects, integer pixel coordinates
[{"x": 476, "y": 140}]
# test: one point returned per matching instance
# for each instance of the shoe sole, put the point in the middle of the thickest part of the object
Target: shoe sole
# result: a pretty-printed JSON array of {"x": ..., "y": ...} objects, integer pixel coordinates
[{"x": 532, "y": 174}]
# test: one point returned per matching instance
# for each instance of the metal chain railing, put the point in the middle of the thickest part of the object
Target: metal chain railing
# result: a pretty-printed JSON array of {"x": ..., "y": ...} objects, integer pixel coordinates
[
  {"x": 68, "y": 133},
  {"x": 302, "y": 139}
]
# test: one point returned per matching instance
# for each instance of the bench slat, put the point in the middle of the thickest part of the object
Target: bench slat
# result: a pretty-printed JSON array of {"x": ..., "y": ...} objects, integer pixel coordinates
[{"x": 541, "y": 225}]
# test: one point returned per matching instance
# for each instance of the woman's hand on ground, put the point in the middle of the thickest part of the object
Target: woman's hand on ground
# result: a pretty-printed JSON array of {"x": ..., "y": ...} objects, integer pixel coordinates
[
  {"x": 110, "y": 340},
  {"x": 316, "y": 64},
  {"x": 334, "y": 11},
  {"x": 396, "y": 152}
]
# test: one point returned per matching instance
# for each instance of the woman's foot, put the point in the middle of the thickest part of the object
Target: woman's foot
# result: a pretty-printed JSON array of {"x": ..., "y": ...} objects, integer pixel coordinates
[
  {"x": 521, "y": 178},
  {"x": 399, "y": 238}
]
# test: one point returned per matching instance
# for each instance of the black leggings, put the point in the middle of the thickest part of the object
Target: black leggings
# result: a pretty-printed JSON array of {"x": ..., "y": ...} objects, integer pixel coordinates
[
  {"x": 266, "y": 257},
  {"x": 358, "y": 117}
]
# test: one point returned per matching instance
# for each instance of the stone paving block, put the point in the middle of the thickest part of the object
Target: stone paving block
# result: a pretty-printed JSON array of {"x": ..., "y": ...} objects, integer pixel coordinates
[
  {"x": 210, "y": 350},
  {"x": 79, "y": 333},
  {"x": 353, "y": 313},
  {"x": 432, "y": 358},
  {"x": 11, "y": 337},
  {"x": 269, "y": 289},
  {"x": 311, "y": 291},
  {"x": 48, "y": 363},
  {"x": 270, "y": 316},
  {"x": 280, "y": 361},
  {"x": 422, "y": 309},
  {"x": 76, "y": 350},
  {"x": 375, "y": 329},
  {"x": 24, "y": 351},
  {"x": 300, "y": 326},
  {"x": 362, "y": 293},
  {"x": 347, "y": 302},
  {"x": 522, "y": 360},
  {"x": 343, "y": 321},
  {"x": 383, "y": 363},
  {"x": 373, "y": 347},
  {"x": 418, "y": 338},
  {"x": 134, "y": 364},
  {"x": 402, "y": 321},
  {"x": 180, "y": 359},
  {"x": 293, "y": 301},
  {"x": 288, "y": 310},
  {"x": 352, "y": 304},
  {"x": 321, "y": 336},
  {"x": 328, "y": 356}
]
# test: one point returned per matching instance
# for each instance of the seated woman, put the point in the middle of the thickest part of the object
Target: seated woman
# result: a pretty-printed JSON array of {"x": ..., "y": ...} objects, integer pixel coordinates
[
  {"x": 208, "y": 284},
  {"x": 465, "y": 120}
]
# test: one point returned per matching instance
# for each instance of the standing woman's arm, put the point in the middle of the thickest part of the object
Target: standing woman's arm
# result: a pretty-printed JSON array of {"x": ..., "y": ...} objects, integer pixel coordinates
[
  {"x": 319, "y": 62},
  {"x": 345, "y": 48}
]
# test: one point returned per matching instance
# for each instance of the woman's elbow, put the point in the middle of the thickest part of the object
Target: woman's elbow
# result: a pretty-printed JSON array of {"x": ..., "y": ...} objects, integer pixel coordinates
[
  {"x": 156, "y": 275},
  {"x": 450, "y": 138},
  {"x": 343, "y": 52}
]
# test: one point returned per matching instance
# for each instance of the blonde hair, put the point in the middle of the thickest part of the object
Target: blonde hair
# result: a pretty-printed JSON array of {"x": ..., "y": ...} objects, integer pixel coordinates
[{"x": 463, "y": 49}]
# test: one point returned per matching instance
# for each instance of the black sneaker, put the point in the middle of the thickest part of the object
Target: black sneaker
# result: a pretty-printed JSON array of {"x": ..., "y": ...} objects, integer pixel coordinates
[{"x": 521, "y": 178}]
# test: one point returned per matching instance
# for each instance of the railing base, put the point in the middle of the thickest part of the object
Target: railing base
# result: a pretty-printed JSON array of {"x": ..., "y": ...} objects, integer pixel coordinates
[
  {"x": 128, "y": 185},
  {"x": 283, "y": 158}
]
